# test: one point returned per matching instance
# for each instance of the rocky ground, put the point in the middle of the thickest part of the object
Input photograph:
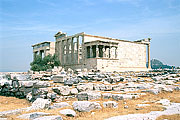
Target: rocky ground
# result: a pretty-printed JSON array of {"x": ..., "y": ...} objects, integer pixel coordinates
[{"x": 81, "y": 95}]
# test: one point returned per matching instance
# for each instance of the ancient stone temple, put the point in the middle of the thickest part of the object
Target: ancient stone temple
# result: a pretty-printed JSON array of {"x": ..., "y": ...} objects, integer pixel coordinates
[
  {"x": 102, "y": 53},
  {"x": 43, "y": 49}
]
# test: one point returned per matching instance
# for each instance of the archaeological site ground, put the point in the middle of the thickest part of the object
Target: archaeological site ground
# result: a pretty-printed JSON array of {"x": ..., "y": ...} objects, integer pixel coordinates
[{"x": 82, "y": 95}]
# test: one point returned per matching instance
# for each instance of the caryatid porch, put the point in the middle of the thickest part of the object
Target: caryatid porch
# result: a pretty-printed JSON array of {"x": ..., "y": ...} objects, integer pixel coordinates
[{"x": 101, "y": 49}]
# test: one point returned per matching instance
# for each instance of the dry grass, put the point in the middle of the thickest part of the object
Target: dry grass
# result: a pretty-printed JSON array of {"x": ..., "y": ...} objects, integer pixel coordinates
[
  {"x": 11, "y": 103},
  {"x": 14, "y": 103},
  {"x": 169, "y": 117}
]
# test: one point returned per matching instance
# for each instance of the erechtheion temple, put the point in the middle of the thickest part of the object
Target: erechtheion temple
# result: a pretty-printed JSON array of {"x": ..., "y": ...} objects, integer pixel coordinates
[
  {"x": 102, "y": 53},
  {"x": 43, "y": 49}
]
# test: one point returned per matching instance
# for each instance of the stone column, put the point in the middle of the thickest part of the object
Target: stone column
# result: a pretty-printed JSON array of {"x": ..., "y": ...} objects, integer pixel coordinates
[
  {"x": 104, "y": 54},
  {"x": 67, "y": 51},
  {"x": 84, "y": 53},
  {"x": 115, "y": 52},
  {"x": 72, "y": 51},
  {"x": 97, "y": 51},
  {"x": 60, "y": 51},
  {"x": 91, "y": 55},
  {"x": 62, "y": 54},
  {"x": 78, "y": 50},
  {"x": 107, "y": 52},
  {"x": 110, "y": 52},
  {"x": 149, "y": 60},
  {"x": 57, "y": 48}
]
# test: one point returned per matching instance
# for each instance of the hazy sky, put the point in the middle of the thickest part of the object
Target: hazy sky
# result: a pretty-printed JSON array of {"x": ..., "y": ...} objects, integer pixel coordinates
[{"x": 26, "y": 22}]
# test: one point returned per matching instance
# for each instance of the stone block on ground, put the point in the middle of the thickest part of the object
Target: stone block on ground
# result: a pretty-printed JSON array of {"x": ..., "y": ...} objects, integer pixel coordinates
[
  {"x": 50, "y": 118},
  {"x": 60, "y": 105},
  {"x": 31, "y": 116},
  {"x": 107, "y": 95},
  {"x": 88, "y": 95},
  {"x": 86, "y": 106},
  {"x": 85, "y": 87},
  {"x": 124, "y": 96},
  {"x": 142, "y": 105},
  {"x": 11, "y": 112},
  {"x": 154, "y": 91},
  {"x": 59, "y": 78},
  {"x": 74, "y": 91},
  {"x": 164, "y": 102},
  {"x": 62, "y": 90},
  {"x": 41, "y": 103},
  {"x": 110, "y": 104},
  {"x": 68, "y": 112},
  {"x": 41, "y": 84}
]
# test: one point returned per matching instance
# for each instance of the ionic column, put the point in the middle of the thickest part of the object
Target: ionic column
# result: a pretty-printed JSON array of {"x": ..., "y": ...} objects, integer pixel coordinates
[
  {"x": 91, "y": 55},
  {"x": 84, "y": 53},
  {"x": 115, "y": 52},
  {"x": 60, "y": 50},
  {"x": 67, "y": 51},
  {"x": 110, "y": 52},
  {"x": 72, "y": 51},
  {"x": 97, "y": 51},
  {"x": 78, "y": 50},
  {"x": 103, "y": 49},
  {"x": 107, "y": 52},
  {"x": 149, "y": 60},
  {"x": 62, "y": 54}
]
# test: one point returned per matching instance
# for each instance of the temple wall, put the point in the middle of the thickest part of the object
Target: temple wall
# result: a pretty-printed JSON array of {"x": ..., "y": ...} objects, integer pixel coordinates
[
  {"x": 132, "y": 55},
  {"x": 120, "y": 56}
]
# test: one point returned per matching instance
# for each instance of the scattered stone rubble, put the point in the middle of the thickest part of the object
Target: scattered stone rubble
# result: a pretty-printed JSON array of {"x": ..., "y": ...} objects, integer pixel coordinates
[
  {"x": 174, "y": 108},
  {"x": 43, "y": 88}
]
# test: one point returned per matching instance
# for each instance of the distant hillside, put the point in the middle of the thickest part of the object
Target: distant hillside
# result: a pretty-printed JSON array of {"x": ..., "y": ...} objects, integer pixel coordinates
[{"x": 157, "y": 64}]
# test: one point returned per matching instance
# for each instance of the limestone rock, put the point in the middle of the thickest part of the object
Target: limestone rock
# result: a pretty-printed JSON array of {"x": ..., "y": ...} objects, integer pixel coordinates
[
  {"x": 11, "y": 112},
  {"x": 3, "y": 118},
  {"x": 123, "y": 96},
  {"x": 153, "y": 91},
  {"x": 59, "y": 78},
  {"x": 49, "y": 118},
  {"x": 60, "y": 105},
  {"x": 62, "y": 90},
  {"x": 74, "y": 91},
  {"x": 142, "y": 105},
  {"x": 88, "y": 95},
  {"x": 86, "y": 106},
  {"x": 31, "y": 116},
  {"x": 27, "y": 84},
  {"x": 68, "y": 112},
  {"x": 110, "y": 104},
  {"x": 107, "y": 95},
  {"x": 41, "y": 103},
  {"x": 52, "y": 96},
  {"x": 41, "y": 84},
  {"x": 165, "y": 102},
  {"x": 85, "y": 87}
]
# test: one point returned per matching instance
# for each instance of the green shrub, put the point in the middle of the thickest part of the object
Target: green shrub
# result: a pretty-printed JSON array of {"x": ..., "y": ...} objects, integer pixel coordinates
[{"x": 48, "y": 62}]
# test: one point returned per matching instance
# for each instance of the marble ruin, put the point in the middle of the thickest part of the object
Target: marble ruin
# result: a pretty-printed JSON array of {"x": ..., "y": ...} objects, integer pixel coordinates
[
  {"x": 84, "y": 51},
  {"x": 43, "y": 49}
]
